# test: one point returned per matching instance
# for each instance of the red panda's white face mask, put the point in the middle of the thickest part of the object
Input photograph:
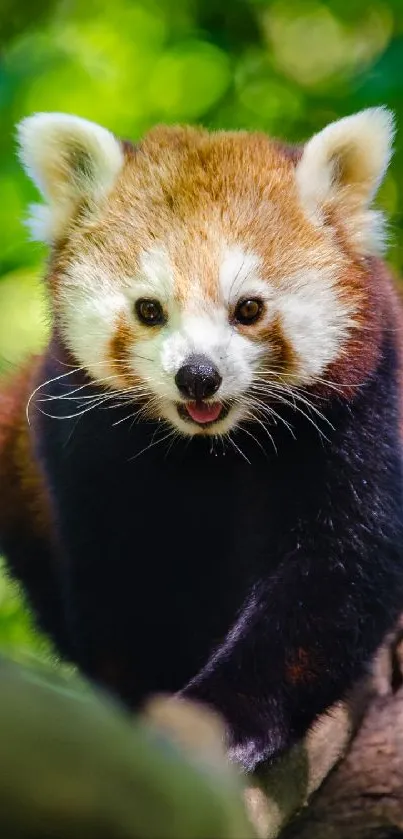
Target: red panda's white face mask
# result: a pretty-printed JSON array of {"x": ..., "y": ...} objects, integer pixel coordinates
[{"x": 206, "y": 276}]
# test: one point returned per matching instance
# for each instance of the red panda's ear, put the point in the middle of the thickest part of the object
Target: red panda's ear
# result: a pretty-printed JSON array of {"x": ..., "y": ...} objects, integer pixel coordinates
[
  {"x": 70, "y": 160},
  {"x": 342, "y": 167}
]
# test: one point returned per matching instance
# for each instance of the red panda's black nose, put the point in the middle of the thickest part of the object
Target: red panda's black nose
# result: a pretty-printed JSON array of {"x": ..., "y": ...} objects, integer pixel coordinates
[{"x": 198, "y": 379}]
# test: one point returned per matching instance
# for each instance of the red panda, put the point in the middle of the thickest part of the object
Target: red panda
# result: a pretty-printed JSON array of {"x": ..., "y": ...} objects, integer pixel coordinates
[{"x": 207, "y": 497}]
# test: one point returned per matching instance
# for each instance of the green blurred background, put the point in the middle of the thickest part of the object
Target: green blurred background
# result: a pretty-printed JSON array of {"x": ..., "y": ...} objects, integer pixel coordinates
[{"x": 287, "y": 68}]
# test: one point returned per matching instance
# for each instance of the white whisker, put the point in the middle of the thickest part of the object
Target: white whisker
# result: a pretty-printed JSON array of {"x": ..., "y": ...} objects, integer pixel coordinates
[
  {"x": 153, "y": 443},
  {"x": 233, "y": 443},
  {"x": 258, "y": 443}
]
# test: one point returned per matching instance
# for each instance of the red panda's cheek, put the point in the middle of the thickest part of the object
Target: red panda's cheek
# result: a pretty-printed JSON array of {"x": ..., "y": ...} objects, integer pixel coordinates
[
  {"x": 277, "y": 352},
  {"x": 121, "y": 351},
  {"x": 135, "y": 359}
]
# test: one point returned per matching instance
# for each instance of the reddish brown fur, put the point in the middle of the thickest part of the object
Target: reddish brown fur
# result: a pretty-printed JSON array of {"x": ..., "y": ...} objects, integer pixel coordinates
[
  {"x": 119, "y": 351},
  {"x": 184, "y": 186},
  {"x": 193, "y": 190},
  {"x": 303, "y": 667},
  {"x": 282, "y": 355},
  {"x": 25, "y": 498}
]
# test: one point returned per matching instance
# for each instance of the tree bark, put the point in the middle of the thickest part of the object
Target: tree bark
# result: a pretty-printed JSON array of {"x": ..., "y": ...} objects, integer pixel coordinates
[{"x": 363, "y": 797}]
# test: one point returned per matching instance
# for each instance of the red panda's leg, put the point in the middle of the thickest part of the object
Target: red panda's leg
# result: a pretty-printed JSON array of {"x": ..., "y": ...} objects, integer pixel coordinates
[{"x": 300, "y": 642}]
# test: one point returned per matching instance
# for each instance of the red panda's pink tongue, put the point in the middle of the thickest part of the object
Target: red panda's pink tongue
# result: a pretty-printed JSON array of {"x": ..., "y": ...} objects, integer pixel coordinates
[{"x": 204, "y": 413}]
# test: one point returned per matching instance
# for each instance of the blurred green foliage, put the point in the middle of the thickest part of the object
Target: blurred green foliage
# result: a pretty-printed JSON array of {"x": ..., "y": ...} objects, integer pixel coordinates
[
  {"x": 100, "y": 773},
  {"x": 286, "y": 68}
]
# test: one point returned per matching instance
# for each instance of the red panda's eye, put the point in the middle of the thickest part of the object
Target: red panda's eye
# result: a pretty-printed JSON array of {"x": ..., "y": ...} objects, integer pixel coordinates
[
  {"x": 248, "y": 311},
  {"x": 149, "y": 312}
]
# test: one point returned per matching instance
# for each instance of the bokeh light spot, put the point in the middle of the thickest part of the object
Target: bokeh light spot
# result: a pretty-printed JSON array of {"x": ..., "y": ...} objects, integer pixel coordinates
[
  {"x": 22, "y": 315},
  {"x": 188, "y": 79}
]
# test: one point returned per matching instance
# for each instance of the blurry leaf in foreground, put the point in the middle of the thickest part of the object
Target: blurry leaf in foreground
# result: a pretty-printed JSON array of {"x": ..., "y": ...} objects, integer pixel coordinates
[{"x": 72, "y": 764}]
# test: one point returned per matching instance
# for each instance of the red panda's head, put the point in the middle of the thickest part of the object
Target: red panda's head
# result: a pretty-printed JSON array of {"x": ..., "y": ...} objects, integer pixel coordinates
[{"x": 207, "y": 273}]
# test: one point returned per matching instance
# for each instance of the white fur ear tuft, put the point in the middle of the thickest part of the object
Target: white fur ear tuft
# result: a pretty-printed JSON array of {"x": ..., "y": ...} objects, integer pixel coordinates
[
  {"x": 70, "y": 160},
  {"x": 342, "y": 167}
]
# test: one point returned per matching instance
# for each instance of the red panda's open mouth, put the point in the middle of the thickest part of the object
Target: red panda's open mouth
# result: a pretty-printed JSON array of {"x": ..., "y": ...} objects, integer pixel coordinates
[{"x": 202, "y": 413}]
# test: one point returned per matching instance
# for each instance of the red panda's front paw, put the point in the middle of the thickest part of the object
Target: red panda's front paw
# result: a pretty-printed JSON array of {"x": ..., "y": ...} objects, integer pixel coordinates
[
  {"x": 254, "y": 743},
  {"x": 254, "y": 729},
  {"x": 248, "y": 753}
]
